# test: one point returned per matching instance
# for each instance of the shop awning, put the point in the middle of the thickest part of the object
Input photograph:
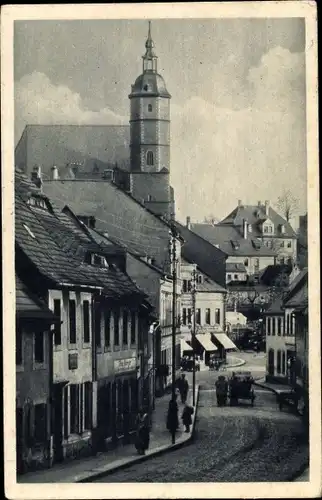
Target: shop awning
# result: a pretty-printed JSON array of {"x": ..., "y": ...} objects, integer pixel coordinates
[
  {"x": 185, "y": 346},
  {"x": 225, "y": 341},
  {"x": 205, "y": 340}
]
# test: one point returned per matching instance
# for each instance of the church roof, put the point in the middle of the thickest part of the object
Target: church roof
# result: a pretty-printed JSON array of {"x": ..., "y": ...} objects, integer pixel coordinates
[{"x": 90, "y": 146}]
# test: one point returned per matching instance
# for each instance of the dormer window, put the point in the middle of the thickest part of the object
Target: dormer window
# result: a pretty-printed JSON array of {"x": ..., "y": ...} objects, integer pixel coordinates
[
  {"x": 200, "y": 279},
  {"x": 235, "y": 244},
  {"x": 95, "y": 260},
  {"x": 38, "y": 202}
]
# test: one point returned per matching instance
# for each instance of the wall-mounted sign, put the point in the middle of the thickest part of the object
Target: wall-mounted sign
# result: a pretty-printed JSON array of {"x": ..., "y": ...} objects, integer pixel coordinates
[
  {"x": 73, "y": 361},
  {"x": 124, "y": 365}
]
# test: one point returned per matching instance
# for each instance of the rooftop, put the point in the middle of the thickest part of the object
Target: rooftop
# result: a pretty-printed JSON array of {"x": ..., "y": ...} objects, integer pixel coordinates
[{"x": 29, "y": 306}]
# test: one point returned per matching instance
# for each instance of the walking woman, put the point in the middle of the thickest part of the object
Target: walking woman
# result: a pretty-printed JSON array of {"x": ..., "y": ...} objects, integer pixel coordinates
[
  {"x": 142, "y": 440},
  {"x": 172, "y": 418}
]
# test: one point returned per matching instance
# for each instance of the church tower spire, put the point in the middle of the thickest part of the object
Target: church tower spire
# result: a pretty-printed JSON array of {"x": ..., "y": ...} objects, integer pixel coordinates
[{"x": 150, "y": 60}]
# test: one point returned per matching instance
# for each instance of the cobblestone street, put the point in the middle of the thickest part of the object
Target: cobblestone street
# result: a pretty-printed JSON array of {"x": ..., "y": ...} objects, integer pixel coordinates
[{"x": 231, "y": 444}]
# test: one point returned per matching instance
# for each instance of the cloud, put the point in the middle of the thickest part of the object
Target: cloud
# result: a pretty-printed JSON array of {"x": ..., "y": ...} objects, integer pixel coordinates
[
  {"x": 39, "y": 101},
  {"x": 252, "y": 153}
]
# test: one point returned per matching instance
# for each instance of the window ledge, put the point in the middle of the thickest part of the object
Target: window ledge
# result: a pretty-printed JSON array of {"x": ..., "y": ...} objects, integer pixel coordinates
[
  {"x": 107, "y": 349},
  {"x": 87, "y": 345},
  {"x": 40, "y": 366},
  {"x": 72, "y": 347}
]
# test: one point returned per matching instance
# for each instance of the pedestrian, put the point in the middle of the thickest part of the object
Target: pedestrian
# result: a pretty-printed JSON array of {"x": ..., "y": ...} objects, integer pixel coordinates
[
  {"x": 221, "y": 390},
  {"x": 183, "y": 387},
  {"x": 142, "y": 440},
  {"x": 172, "y": 418},
  {"x": 186, "y": 417}
]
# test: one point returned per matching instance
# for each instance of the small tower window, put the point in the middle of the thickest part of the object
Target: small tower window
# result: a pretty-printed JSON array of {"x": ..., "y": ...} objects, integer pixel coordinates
[
  {"x": 150, "y": 107},
  {"x": 146, "y": 87},
  {"x": 149, "y": 158}
]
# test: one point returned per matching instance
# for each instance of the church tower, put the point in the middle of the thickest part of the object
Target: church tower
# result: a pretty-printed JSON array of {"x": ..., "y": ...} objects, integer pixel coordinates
[{"x": 150, "y": 117}]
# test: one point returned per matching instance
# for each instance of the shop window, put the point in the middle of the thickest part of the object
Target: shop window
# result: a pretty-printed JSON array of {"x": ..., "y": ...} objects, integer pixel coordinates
[
  {"x": 278, "y": 361},
  {"x": 74, "y": 408},
  {"x": 279, "y": 326},
  {"x": 217, "y": 316},
  {"x": 207, "y": 316},
  {"x": 19, "y": 345},
  {"x": 117, "y": 327},
  {"x": 133, "y": 328},
  {"x": 57, "y": 312},
  {"x": 107, "y": 327},
  {"x": 72, "y": 322},
  {"x": 40, "y": 413},
  {"x": 273, "y": 326},
  {"x": 198, "y": 316},
  {"x": 86, "y": 320},
  {"x": 125, "y": 327},
  {"x": 88, "y": 401},
  {"x": 39, "y": 347}
]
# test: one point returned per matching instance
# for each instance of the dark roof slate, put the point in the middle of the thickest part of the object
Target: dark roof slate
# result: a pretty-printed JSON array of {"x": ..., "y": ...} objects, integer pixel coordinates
[{"x": 29, "y": 306}]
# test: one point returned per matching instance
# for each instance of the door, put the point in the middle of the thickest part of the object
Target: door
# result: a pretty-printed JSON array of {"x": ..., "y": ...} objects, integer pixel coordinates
[{"x": 58, "y": 422}]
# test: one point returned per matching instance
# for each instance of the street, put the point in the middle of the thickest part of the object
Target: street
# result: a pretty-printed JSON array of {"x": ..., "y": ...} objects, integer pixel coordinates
[{"x": 230, "y": 444}]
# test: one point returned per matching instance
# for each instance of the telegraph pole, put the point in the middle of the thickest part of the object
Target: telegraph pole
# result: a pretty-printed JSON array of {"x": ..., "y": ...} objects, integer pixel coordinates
[
  {"x": 193, "y": 292},
  {"x": 174, "y": 315}
]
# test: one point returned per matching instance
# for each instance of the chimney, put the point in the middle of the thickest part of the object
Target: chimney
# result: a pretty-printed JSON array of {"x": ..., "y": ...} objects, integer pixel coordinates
[
  {"x": 188, "y": 224},
  {"x": 36, "y": 176},
  {"x": 245, "y": 229},
  {"x": 259, "y": 203},
  {"x": 54, "y": 173},
  {"x": 266, "y": 207},
  {"x": 239, "y": 203}
]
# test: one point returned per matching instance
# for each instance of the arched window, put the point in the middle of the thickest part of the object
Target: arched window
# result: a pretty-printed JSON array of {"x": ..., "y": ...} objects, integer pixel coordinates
[
  {"x": 283, "y": 362},
  {"x": 149, "y": 158},
  {"x": 268, "y": 326},
  {"x": 278, "y": 361},
  {"x": 150, "y": 107},
  {"x": 271, "y": 362},
  {"x": 273, "y": 326},
  {"x": 279, "y": 326}
]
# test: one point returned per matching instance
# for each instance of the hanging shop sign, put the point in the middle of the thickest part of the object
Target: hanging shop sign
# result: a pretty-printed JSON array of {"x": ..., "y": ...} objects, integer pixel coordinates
[{"x": 124, "y": 365}]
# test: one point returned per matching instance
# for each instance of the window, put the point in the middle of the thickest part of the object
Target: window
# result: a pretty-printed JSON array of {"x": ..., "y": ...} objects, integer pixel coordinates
[
  {"x": 40, "y": 414},
  {"x": 57, "y": 312},
  {"x": 273, "y": 326},
  {"x": 65, "y": 411},
  {"x": 288, "y": 325},
  {"x": 246, "y": 262},
  {"x": 269, "y": 243},
  {"x": 229, "y": 277},
  {"x": 289, "y": 244},
  {"x": 125, "y": 327},
  {"x": 86, "y": 320},
  {"x": 149, "y": 158},
  {"x": 279, "y": 326},
  {"x": 133, "y": 327},
  {"x": 19, "y": 345},
  {"x": 235, "y": 276},
  {"x": 88, "y": 405},
  {"x": 282, "y": 244},
  {"x": 283, "y": 363},
  {"x": 282, "y": 260},
  {"x": 117, "y": 327},
  {"x": 217, "y": 316},
  {"x": 207, "y": 316},
  {"x": 150, "y": 107},
  {"x": 271, "y": 362},
  {"x": 198, "y": 316},
  {"x": 72, "y": 322},
  {"x": 278, "y": 361},
  {"x": 73, "y": 409},
  {"x": 256, "y": 264},
  {"x": 199, "y": 279},
  {"x": 189, "y": 316},
  {"x": 97, "y": 325},
  {"x": 270, "y": 229},
  {"x": 268, "y": 326},
  {"x": 184, "y": 316},
  {"x": 265, "y": 229},
  {"x": 107, "y": 327},
  {"x": 39, "y": 347},
  {"x": 186, "y": 286}
]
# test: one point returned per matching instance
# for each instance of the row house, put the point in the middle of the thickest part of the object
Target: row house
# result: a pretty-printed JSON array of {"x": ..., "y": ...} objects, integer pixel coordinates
[
  {"x": 74, "y": 278},
  {"x": 34, "y": 329},
  {"x": 280, "y": 328},
  {"x": 158, "y": 286}
]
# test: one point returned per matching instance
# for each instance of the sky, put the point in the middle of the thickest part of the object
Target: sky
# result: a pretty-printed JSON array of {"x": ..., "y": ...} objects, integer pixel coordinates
[{"x": 238, "y": 128}]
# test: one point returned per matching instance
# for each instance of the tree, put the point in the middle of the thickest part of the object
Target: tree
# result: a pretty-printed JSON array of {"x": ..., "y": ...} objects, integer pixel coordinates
[{"x": 287, "y": 204}]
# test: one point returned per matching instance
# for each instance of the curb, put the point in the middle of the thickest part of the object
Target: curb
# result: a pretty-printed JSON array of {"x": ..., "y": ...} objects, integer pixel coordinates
[{"x": 162, "y": 449}]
